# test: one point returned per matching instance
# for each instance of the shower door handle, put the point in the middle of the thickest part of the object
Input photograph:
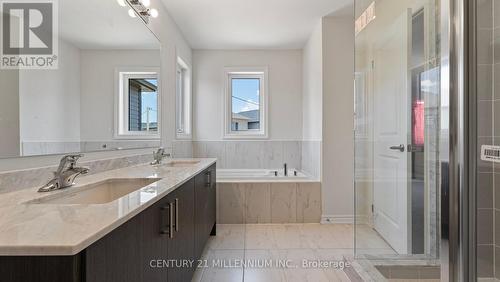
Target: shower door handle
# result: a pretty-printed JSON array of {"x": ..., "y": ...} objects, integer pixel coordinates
[{"x": 400, "y": 148}]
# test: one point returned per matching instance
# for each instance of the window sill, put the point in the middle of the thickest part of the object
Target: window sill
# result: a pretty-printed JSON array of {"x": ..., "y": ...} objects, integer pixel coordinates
[
  {"x": 137, "y": 137},
  {"x": 180, "y": 136},
  {"x": 243, "y": 136}
]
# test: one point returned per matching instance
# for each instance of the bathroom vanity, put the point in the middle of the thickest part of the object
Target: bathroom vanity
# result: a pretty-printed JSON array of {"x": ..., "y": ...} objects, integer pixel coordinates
[{"x": 155, "y": 233}]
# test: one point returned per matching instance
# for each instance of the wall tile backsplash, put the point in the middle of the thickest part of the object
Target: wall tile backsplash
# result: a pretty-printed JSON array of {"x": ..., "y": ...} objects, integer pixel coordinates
[{"x": 251, "y": 154}]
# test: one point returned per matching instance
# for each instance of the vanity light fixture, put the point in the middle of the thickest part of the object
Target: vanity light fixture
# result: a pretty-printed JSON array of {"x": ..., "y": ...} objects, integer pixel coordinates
[
  {"x": 154, "y": 13},
  {"x": 131, "y": 13},
  {"x": 122, "y": 3},
  {"x": 141, "y": 8}
]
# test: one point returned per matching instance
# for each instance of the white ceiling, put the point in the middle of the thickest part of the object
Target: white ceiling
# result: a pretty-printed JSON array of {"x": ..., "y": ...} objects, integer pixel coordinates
[
  {"x": 250, "y": 24},
  {"x": 102, "y": 24}
]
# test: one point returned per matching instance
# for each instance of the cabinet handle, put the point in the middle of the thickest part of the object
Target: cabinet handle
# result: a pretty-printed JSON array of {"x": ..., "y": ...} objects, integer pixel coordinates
[
  {"x": 176, "y": 214},
  {"x": 209, "y": 179},
  {"x": 163, "y": 230},
  {"x": 171, "y": 223}
]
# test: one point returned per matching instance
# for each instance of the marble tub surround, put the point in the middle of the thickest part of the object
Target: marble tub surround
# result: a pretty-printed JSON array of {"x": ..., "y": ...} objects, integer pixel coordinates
[
  {"x": 284, "y": 202},
  {"x": 250, "y": 154},
  {"x": 58, "y": 229},
  {"x": 22, "y": 179}
]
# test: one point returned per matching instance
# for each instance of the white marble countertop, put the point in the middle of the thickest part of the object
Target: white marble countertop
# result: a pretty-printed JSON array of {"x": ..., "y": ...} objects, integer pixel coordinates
[{"x": 58, "y": 229}]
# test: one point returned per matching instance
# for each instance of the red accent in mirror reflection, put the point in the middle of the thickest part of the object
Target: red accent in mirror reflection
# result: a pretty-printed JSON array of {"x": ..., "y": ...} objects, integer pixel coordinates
[{"x": 418, "y": 122}]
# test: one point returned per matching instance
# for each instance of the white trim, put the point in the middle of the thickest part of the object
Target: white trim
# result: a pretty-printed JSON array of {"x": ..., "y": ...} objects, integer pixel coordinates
[
  {"x": 246, "y": 72},
  {"x": 188, "y": 104},
  {"x": 343, "y": 219},
  {"x": 121, "y": 105}
]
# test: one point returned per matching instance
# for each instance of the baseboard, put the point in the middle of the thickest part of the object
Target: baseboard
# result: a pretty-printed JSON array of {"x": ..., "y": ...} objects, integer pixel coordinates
[{"x": 343, "y": 219}]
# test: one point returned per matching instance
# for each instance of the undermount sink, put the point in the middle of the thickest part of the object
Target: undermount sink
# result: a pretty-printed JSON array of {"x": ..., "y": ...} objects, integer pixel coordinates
[
  {"x": 181, "y": 163},
  {"x": 97, "y": 193}
]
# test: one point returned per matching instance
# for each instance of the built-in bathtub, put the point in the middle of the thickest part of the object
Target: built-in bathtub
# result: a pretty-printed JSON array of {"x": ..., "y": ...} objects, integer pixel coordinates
[
  {"x": 267, "y": 196},
  {"x": 261, "y": 175}
]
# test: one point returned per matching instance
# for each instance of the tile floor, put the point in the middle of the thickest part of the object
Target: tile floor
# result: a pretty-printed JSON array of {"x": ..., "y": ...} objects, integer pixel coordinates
[{"x": 292, "y": 242}]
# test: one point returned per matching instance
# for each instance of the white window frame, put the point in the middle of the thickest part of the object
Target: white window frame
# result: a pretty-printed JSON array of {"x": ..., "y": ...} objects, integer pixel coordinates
[
  {"x": 122, "y": 75},
  {"x": 246, "y": 72},
  {"x": 183, "y": 100}
]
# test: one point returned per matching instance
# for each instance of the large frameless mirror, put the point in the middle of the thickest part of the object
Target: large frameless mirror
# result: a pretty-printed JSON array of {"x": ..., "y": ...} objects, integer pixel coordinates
[{"x": 101, "y": 91}]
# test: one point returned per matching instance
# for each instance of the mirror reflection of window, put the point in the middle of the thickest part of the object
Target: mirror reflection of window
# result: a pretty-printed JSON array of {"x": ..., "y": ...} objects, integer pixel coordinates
[
  {"x": 138, "y": 104},
  {"x": 143, "y": 105}
]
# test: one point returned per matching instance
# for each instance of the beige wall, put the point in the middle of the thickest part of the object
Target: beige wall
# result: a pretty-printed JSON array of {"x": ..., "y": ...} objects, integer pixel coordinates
[
  {"x": 9, "y": 113},
  {"x": 312, "y": 86},
  {"x": 338, "y": 119},
  {"x": 284, "y": 90}
]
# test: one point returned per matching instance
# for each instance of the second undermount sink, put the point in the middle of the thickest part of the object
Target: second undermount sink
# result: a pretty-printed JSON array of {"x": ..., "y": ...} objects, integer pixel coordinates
[
  {"x": 181, "y": 163},
  {"x": 97, "y": 193}
]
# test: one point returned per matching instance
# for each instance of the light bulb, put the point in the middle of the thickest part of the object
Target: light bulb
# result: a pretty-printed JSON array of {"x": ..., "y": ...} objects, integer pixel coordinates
[
  {"x": 131, "y": 13},
  {"x": 154, "y": 13},
  {"x": 121, "y": 3},
  {"x": 146, "y": 3}
]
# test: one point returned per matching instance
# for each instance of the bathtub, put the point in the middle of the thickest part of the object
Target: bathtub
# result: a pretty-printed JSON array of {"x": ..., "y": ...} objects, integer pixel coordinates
[
  {"x": 260, "y": 175},
  {"x": 249, "y": 196}
]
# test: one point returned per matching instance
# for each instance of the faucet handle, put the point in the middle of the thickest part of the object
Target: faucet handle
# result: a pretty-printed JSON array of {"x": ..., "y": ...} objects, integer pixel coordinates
[{"x": 68, "y": 159}]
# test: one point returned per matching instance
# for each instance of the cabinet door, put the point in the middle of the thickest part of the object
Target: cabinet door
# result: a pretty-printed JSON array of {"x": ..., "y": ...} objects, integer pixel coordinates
[
  {"x": 211, "y": 205},
  {"x": 117, "y": 256},
  {"x": 155, "y": 221},
  {"x": 201, "y": 208},
  {"x": 181, "y": 246}
]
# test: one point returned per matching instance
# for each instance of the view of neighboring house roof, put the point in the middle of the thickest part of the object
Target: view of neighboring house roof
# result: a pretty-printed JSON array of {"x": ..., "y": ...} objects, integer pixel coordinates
[
  {"x": 239, "y": 116},
  {"x": 252, "y": 115}
]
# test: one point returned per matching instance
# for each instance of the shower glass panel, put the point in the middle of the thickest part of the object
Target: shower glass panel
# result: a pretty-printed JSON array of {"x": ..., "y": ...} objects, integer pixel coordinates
[{"x": 400, "y": 133}]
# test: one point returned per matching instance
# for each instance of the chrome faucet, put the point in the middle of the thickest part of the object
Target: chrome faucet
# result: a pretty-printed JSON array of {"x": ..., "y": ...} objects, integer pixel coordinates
[
  {"x": 65, "y": 175},
  {"x": 159, "y": 155},
  {"x": 285, "y": 170}
]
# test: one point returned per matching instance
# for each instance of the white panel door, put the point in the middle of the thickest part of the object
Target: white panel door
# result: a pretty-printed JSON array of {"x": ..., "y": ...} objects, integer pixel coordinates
[{"x": 391, "y": 116}]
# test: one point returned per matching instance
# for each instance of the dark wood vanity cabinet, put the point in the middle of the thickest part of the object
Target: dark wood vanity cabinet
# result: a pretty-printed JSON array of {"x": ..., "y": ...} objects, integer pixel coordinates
[
  {"x": 204, "y": 213},
  {"x": 162, "y": 243}
]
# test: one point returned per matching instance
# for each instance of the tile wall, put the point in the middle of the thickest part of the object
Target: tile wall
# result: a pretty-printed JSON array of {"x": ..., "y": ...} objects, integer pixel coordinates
[{"x": 488, "y": 108}]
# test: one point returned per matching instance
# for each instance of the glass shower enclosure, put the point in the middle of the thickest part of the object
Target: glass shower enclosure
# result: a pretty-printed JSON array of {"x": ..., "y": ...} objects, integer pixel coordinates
[
  {"x": 401, "y": 136},
  {"x": 427, "y": 139}
]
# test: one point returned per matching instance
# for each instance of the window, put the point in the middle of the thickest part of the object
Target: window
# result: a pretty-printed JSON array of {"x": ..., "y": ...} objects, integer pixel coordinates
[
  {"x": 183, "y": 100},
  {"x": 246, "y": 107},
  {"x": 138, "y": 108}
]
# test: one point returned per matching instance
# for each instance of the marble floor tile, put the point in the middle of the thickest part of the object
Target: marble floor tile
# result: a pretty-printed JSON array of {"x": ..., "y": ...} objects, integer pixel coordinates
[
  {"x": 327, "y": 236},
  {"x": 368, "y": 238},
  {"x": 337, "y": 255},
  {"x": 290, "y": 236},
  {"x": 229, "y": 237},
  {"x": 215, "y": 273},
  {"x": 259, "y": 274},
  {"x": 301, "y": 273},
  {"x": 293, "y": 242},
  {"x": 259, "y": 237}
]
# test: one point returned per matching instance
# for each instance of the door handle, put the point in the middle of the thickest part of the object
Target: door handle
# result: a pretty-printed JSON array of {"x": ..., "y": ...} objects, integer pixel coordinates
[{"x": 400, "y": 148}]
